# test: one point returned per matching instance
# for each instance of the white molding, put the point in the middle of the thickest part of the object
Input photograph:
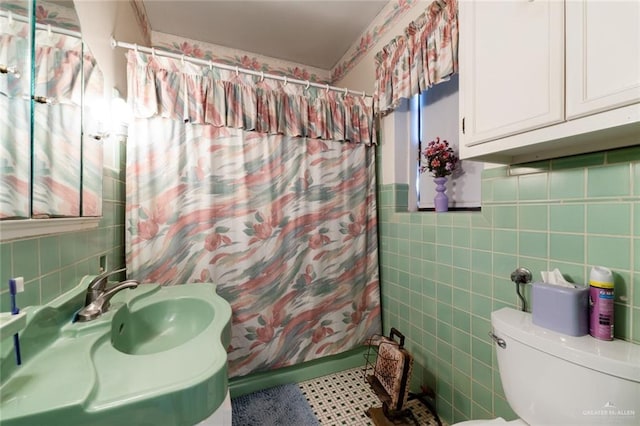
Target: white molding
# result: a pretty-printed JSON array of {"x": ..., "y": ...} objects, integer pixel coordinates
[{"x": 27, "y": 228}]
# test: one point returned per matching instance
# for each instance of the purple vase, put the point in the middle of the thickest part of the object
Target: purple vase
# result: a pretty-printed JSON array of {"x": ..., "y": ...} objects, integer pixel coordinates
[{"x": 441, "y": 201}]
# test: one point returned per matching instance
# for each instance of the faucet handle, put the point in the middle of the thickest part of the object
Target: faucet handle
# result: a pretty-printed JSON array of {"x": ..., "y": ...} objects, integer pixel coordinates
[
  {"x": 98, "y": 285},
  {"x": 101, "y": 304},
  {"x": 101, "y": 280}
]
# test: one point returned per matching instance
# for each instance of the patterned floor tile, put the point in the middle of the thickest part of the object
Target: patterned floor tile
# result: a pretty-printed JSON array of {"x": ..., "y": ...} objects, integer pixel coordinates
[{"x": 344, "y": 397}]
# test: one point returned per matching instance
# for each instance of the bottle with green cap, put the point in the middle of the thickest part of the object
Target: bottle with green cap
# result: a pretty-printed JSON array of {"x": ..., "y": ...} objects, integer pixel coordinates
[{"x": 601, "y": 303}]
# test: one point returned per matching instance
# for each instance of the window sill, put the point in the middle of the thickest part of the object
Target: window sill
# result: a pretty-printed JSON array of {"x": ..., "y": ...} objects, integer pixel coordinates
[
  {"x": 27, "y": 228},
  {"x": 451, "y": 209}
]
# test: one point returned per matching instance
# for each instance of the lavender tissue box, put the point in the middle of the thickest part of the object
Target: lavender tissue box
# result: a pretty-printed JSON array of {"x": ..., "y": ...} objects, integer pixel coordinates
[{"x": 561, "y": 309}]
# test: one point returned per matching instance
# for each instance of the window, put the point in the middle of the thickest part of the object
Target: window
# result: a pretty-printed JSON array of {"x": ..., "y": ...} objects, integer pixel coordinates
[{"x": 434, "y": 113}]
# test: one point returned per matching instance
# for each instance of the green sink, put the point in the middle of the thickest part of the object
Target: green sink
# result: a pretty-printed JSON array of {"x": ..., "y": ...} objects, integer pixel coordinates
[
  {"x": 160, "y": 326},
  {"x": 11, "y": 324},
  {"x": 158, "y": 356}
]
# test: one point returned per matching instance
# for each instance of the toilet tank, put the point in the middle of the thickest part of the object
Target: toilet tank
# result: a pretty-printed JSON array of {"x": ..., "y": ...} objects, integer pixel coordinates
[{"x": 554, "y": 379}]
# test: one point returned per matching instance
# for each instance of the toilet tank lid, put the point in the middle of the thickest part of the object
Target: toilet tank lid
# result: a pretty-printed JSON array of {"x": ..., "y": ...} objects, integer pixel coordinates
[{"x": 617, "y": 357}]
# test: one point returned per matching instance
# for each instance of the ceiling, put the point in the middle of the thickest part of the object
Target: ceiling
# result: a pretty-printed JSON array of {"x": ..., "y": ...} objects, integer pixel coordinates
[{"x": 309, "y": 32}]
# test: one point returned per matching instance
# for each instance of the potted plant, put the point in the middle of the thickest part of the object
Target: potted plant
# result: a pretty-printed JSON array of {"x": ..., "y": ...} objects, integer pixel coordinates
[{"x": 440, "y": 161}]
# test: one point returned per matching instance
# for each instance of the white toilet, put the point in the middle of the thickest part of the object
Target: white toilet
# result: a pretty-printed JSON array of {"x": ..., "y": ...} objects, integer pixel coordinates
[{"x": 554, "y": 379}]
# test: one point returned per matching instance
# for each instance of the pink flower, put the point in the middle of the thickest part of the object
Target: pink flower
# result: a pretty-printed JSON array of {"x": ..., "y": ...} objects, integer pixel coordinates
[
  {"x": 147, "y": 230},
  {"x": 215, "y": 240},
  {"x": 159, "y": 214},
  {"x": 249, "y": 63},
  {"x": 308, "y": 274},
  {"x": 438, "y": 158},
  {"x": 315, "y": 146},
  {"x": 403, "y": 4},
  {"x": 337, "y": 72},
  {"x": 321, "y": 333},
  {"x": 262, "y": 230},
  {"x": 355, "y": 229},
  {"x": 365, "y": 42},
  {"x": 318, "y": 240},
  {"x": 300, "y": 73},
  {"x": 192, "y": 50},
  {"x": 41, "y": 13},
  {"x": 197, "y": 52},
  {"x": 265, "y": 334}
]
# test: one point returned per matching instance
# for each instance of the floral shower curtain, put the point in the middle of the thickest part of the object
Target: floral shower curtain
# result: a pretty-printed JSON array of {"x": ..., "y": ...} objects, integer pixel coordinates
[
  {"x": 265, "y": 189},
  {"x": 15, "y": 126}
]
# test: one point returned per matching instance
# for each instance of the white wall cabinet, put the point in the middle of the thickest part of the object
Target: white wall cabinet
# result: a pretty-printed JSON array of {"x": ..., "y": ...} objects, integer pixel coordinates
[
  {"x": 603, "y": 64},
  {"x": 513, "y": 55},
  {"x": 517, "y": 100}
]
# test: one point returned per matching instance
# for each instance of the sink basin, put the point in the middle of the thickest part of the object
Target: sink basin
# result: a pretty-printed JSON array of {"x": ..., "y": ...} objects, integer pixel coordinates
[
  {"x": 159, "y": 326},
  {"x": 158, "y": 356}
]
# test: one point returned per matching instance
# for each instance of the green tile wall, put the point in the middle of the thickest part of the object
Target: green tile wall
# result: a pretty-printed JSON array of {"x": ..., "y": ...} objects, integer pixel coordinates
[
  {"x": 443, "y": 274},
  {"x": 55, "y": 263}
]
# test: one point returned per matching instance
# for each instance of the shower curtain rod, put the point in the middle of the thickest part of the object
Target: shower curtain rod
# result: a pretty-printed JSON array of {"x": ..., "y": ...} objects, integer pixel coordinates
[
  {"x": 261, "y": 74},
  {"x": 46, "y": 27}
]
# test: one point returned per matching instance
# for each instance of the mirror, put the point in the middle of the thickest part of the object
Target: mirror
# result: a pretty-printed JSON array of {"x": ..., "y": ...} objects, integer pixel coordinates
[
  {"x": 15, "y": 99},
  {"x": 93, "y": 134},
  {"x": 57, "y": 130},
  {"x": 54, "y": 170}
]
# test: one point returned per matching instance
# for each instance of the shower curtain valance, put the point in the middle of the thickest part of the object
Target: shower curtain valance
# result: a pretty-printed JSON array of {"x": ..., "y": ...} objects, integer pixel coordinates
[
  {"x": 425, "y": 55},
  {"x": 179, "y": 90}
]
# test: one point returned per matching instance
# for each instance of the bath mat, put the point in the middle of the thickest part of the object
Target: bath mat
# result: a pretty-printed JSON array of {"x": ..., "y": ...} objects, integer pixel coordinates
[{"x": 278, "y": 406}]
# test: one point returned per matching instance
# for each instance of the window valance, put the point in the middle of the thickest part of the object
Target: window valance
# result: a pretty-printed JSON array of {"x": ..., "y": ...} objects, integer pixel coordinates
[
  {"x": 426, "y": 54},
  {"x": 180, "y": 90}
]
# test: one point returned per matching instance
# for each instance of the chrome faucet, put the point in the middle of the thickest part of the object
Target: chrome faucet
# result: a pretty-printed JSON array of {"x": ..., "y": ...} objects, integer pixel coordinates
[
  {"x": 98, "y": 285},
  {"x": 98, "y": 296}
]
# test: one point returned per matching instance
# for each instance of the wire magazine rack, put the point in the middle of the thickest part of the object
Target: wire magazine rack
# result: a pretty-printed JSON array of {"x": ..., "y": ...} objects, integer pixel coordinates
[{"x": 388, "y": 368}]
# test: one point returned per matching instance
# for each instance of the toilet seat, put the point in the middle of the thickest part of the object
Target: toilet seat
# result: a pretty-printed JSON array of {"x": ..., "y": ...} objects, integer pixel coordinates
[{"x": 497, "y": 421}]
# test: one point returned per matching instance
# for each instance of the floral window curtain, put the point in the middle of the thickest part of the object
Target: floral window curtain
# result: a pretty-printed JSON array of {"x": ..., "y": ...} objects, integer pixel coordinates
[
  {"x": 258, "y": 189},
  {"x": 425, "y": 55}
]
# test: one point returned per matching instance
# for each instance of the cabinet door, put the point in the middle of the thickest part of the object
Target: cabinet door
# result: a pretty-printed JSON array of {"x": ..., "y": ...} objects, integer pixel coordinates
[
  {"x": 603, "y": 55},
  {"x": 511, "y": 67}
]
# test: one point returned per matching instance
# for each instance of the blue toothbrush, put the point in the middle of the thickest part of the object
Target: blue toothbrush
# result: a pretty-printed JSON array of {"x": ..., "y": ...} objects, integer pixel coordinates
[{"x": 16, "y": 285}]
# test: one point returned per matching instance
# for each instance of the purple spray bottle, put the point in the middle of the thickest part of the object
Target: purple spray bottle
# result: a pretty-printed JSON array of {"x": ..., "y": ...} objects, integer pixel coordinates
[{"x": 601, "y": 303}]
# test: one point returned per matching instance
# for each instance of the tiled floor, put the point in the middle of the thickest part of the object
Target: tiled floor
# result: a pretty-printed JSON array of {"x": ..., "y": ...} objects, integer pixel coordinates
[{"x": 343, "y": 398}]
